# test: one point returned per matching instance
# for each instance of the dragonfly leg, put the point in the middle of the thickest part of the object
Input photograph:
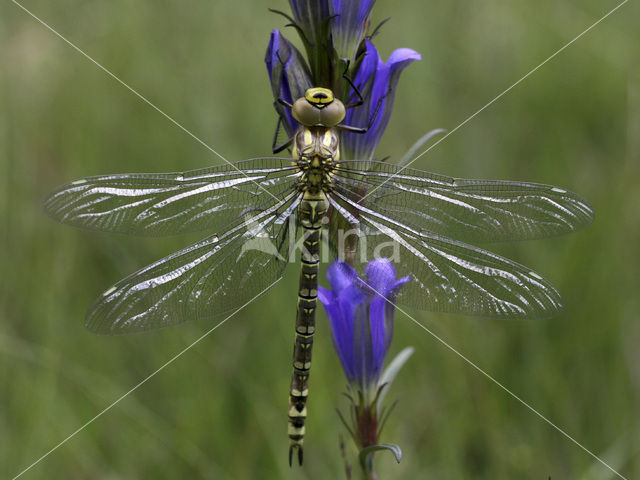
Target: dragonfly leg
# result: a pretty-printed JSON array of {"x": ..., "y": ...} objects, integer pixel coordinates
[
  {"x": 286, "y": 144},
  {"x": 360, "y": 99},
  {"x": 351, "y": 128}
]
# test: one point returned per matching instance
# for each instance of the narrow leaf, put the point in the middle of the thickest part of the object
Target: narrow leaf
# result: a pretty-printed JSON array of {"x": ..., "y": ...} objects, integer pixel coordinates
[
  {"x": 385, "y": 416},
  {"x": 413, "y": 151},
  {"x": 346, "y": 425},
  {"x": 365, "y": 452},
  {"x": 389, "y": 374}
]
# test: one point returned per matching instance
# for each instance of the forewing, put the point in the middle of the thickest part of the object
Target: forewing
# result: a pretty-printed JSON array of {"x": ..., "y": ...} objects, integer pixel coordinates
[
  {"x": 207, "y": 280},
  {"x": 475, "y": 211},
  {"x": 171, "y": 203},
  {"x": 448, "y": 275}
]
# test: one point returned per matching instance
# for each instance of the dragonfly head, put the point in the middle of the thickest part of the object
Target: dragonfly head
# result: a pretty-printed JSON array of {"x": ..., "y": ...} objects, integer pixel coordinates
[{"x": 318, "y": 108}]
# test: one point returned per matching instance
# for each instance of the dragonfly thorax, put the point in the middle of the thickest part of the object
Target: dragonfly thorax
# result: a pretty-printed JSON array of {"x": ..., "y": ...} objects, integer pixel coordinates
[{"x": 316, "y": 150}]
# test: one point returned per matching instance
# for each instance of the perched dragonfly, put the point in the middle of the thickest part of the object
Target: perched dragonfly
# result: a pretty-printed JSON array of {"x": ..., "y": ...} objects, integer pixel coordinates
[{"x": 256, "y": 208}]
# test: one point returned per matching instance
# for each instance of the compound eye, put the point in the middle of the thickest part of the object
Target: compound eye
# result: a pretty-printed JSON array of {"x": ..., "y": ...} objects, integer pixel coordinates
[
  {"x": 333, "y": 114},
  {"x": 306, "y": 113}
]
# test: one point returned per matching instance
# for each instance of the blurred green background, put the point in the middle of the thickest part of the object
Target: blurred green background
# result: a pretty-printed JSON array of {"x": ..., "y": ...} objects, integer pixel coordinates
[{"x": 219, "y": 411}]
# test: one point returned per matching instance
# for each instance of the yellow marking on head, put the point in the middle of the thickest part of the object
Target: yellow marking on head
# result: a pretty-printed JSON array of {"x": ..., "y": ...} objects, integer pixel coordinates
[{"x": 319, "y": 96}]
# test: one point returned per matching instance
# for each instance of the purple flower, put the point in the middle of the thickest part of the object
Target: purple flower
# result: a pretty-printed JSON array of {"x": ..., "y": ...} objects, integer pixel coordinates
[
  {"x": 311, "y": 16},
  {"x": 330, "y": 30},
  {"x": 348, "y": 25},
  {"x": 361, "y": 316},
  {"x": 331, "y": 24},
  {"x": 377, "y": 82},
  {"x": 289, "y": 76},
  {"x": 312, "y": 19}
]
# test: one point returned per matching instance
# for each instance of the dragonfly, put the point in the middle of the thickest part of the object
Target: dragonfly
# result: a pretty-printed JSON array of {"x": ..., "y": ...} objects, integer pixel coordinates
[{"x": 256, "y": 209}]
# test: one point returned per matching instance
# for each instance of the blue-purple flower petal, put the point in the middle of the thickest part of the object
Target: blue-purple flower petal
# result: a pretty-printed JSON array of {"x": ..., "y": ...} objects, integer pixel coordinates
[
  {"x": 311, "y": 16},
  {"x": 341, "y": 275},
  {"x": 377, "y": 81},
  {"x": 341, "y": 307},
  {"x": 361, "y": 316},
  {"x": 348, "y": 24},
  {"x": 381, "y": 334},
  {"x": 289, "y": 76}
]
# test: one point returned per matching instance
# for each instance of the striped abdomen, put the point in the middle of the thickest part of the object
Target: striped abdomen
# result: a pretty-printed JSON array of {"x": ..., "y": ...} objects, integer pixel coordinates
[{"x": 311, "y": 212}]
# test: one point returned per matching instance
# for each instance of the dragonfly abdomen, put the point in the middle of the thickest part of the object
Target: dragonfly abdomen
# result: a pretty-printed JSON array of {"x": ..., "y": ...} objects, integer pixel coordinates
[{"x": 312, "y": 211}]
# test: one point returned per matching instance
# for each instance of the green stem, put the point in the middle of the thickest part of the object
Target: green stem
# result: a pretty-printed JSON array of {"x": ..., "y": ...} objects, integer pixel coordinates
[{"x": 367, "y": 468}]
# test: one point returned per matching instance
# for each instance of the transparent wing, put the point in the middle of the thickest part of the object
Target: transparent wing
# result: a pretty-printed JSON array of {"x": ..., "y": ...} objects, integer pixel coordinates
[
  {"x": 446, "y": 275},
  {"x": 171, "y": 203},
  {"x": 475, "y": 211},
  {"x": 206, "y": 280}
]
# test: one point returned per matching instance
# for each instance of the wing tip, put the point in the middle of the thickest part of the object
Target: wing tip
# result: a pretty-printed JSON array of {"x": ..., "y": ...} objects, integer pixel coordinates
[
  {"x": 94, "y": 325},
  {"x": 95, "y": 318},
  {"x": 48, "y": 207}
]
